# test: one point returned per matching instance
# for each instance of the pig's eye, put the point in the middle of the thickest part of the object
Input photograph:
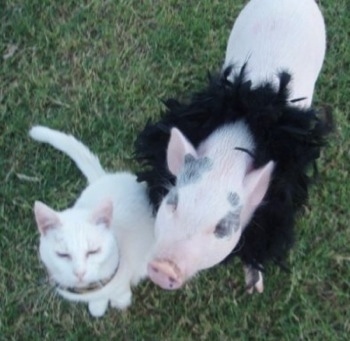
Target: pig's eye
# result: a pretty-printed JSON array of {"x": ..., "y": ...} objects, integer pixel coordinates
[
  {"x": 223, "y": 228},
  {"x": 173, "y": 199}
]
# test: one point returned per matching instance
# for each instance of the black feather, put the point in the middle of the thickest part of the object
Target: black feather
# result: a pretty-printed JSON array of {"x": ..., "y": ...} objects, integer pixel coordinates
[{"x": 290, "y": 136}]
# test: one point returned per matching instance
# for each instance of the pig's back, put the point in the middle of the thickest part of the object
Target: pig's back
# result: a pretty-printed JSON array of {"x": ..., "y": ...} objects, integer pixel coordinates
[{"x": 279, "y": 35}]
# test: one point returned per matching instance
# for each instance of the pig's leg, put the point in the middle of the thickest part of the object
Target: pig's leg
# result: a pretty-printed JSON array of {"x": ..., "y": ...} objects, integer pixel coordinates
[{"x": 253, "y": 279}]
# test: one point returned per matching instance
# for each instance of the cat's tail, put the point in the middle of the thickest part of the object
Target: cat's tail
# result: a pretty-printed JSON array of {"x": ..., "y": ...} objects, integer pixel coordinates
[{"x": 87, "y": 162}]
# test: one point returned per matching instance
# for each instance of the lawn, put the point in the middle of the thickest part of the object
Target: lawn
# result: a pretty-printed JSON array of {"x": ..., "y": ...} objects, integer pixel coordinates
[{"x": 99, "y": 69}]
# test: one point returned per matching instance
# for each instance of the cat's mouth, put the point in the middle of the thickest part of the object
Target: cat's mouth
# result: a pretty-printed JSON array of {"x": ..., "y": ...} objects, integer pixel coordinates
[{"x": 91, "y": 287}]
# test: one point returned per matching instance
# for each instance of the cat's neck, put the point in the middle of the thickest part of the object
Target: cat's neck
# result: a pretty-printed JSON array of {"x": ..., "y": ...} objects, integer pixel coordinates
[{"x": 91, "y": 287}]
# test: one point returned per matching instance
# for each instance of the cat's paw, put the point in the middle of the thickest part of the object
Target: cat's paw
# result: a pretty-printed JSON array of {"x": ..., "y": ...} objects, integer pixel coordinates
[
  {"x": 98, "y": 308},
  {"x": 253, "y": 279},
  {"x": 123, "y": 300}
]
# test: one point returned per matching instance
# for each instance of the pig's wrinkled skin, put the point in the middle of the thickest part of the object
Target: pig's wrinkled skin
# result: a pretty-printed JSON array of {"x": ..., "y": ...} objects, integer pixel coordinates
[{"x": 192, "y": 232}]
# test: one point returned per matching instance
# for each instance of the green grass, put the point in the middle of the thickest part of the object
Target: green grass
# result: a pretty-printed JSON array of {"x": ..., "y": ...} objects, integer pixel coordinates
[{"x": 98, "y": 69}]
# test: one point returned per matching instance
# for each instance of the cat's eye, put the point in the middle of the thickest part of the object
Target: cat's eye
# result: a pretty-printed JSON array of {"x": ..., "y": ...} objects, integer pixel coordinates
[
  {"x": 63, "y": 255},
  {"x": 92, "y": 252}
]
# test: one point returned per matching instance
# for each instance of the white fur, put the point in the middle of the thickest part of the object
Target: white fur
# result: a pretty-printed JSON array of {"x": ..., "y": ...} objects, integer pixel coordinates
[
  {"x": 279, "y": 35},
  {"x": 88, "y": 163},
  {"x": 126, "y": 238},
  {"x": 271, "y": 36}
]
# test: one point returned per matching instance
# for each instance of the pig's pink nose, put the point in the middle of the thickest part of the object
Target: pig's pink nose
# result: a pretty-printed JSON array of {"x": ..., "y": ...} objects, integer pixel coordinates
[{"x": 166, "y": 274}]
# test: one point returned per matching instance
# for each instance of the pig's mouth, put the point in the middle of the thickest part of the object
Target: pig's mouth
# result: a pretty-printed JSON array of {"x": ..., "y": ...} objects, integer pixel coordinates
[{"x": 166, "y": 274}]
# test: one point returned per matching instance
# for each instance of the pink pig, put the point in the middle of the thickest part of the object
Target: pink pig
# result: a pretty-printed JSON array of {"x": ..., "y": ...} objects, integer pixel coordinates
[
  {"x": 201, "y": 220},
  {"x": 275, "y": 35},
  {"x": 217, "y": 185}
]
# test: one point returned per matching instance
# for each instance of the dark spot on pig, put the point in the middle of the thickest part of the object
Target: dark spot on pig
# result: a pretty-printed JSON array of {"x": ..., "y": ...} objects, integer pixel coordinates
[
  {"x": 233, "y": 199},
  {"x": 222, "y": 229},
  {"x": 228, "y": 224},
  {"x": 173, "y": 198},
  {"x": 172, "y": 280},
  {"x": 193, "y": 169},
  {"x": 235, "y": 218}
]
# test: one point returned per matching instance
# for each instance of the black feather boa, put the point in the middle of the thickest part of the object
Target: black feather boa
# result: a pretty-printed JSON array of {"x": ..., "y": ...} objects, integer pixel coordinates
[{"x": 290, "y": 136}]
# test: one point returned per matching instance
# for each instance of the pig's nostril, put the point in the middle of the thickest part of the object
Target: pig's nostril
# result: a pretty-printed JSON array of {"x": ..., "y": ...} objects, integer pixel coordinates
[
  {"x": 172, "y": 282},
  {"x": 154, "y": 269}
]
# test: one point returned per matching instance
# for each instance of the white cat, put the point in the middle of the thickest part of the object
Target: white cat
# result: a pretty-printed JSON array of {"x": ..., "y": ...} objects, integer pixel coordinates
[{"x": 97, "y": 249}]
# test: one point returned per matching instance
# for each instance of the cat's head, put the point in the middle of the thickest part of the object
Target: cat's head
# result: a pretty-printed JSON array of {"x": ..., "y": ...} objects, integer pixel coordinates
[{"x": 77, "y": 246}]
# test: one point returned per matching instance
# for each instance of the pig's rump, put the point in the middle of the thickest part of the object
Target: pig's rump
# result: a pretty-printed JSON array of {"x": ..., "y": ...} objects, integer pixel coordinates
[{"x": 289, "y": 135}]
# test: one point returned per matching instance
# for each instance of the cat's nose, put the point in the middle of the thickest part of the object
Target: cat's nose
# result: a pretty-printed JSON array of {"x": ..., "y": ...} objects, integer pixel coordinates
[{"x": 80, "y": 274}]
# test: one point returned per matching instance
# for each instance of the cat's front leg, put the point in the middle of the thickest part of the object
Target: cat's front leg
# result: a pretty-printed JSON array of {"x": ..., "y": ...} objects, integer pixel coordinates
[
  {"x": 122, "y": 300},
  {"x": 98, "y": 308}
]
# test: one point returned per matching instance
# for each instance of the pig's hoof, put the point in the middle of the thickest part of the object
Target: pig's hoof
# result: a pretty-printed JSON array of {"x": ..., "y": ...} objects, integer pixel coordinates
[{"x": 253, "y": 279}]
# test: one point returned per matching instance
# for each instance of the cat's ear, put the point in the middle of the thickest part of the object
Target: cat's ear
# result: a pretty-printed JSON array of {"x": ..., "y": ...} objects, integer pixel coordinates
[
  {"x": 103, "y": 213},
  {"x": 46, "y": 218}
]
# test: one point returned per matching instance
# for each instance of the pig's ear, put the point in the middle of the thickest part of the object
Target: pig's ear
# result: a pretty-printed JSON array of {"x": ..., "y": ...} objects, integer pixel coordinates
[
  {"x": 257, "y": 182},
  {"x": 103, "y": 213},
  {"x": 178, "y": 147},
  {"x": 46, "y": 218}
]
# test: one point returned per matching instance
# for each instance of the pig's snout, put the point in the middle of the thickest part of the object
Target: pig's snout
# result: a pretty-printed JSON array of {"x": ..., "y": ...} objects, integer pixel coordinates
[{"x": 166, "y": 274}]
